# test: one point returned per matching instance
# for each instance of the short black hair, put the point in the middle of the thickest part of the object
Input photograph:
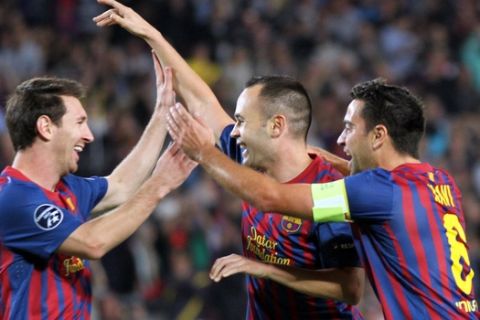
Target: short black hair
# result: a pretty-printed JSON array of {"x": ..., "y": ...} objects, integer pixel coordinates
[
  {"x": 401, "y": 112},
  {"x": 34, "y": 98},
  {"x": 283, "y": 94}
]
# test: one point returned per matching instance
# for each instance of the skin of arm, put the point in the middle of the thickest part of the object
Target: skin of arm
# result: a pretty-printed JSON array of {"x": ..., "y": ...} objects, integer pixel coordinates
[
  {"x": 127, "y": 177},
  {"x": 261, "y": 191},
  {"x": 97, "y": 236},
  {"x": 197, "y": 95},
  {"x": 344, "y": 284}
]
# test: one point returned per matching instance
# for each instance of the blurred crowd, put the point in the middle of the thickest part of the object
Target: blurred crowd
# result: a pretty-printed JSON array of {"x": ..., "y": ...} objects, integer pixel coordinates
[{"x": 161, "y": 272}]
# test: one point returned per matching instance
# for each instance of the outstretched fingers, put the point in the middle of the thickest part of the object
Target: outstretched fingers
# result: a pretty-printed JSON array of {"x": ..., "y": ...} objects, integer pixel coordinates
[
  {"x": 112, "y": 16},
  {"x": 173, "y": 127},
  {"x": 114, "y": 4},
  {"x": 226, "y": 266}
]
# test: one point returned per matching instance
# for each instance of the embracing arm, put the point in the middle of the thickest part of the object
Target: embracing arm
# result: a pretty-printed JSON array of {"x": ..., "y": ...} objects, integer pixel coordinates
[
  {"x": 260, "y": 190},
  {"x": 338, "y": 163},
  {"x": 344, "y": 284},
  {"x": 196, "y": 93}
]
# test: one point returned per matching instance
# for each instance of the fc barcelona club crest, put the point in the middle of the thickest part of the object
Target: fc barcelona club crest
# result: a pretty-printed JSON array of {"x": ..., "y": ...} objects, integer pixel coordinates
[{"x": 291, "y": 224}]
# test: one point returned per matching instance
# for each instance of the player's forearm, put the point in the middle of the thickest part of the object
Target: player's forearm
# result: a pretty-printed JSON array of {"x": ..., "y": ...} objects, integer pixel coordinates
[
  {"x": 134, "y": 169},
  {"x": 197, "y": 95},
  {"x": 258, "y": 189},
  {"x": 96, "y": 237},
  {"x": 340, "y": 284}
]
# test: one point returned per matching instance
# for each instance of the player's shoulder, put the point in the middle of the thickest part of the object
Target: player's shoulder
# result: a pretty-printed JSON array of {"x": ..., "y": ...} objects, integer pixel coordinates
[
  {"x": 14, "y": 192},
  {"x": 321, "y": 165},
  {"x": 371, "y": 177},
  {"x": 74, "y": 182}
]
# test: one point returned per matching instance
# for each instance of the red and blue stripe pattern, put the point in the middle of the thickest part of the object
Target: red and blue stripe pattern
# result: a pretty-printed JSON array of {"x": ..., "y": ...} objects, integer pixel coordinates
[
  {"x": 38, "y": 283},
  {"x": 274, "y": 238},
  {"x": 413, "y": 243}
]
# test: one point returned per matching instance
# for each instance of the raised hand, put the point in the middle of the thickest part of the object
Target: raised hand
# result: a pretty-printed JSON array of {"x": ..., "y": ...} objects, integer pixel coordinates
[
  {"x": 192, "y": 134},
  {"x": 124, "y": 17},
  {"x": 173, "y": 167}
]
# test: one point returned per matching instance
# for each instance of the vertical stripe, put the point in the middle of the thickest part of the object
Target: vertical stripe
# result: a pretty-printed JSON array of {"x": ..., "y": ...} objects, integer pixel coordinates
[
  {"x": 51, "y": 291},
  {"x": 58, "y": 289},
  {"x": 414, "y": 234},
  {"x": 68, "y": 296},
  {"x": 35, "y": 296},
  {"x": 398, "y": 292},
  {"x": 6, "y": 259}
]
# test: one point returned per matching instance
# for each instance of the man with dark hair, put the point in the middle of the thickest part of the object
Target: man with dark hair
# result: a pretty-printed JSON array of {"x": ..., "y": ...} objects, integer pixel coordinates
[
  {"x": 407, "y": 216},
  {"x": 45, "y": 231},
  {"x": 273, "y": 115}
]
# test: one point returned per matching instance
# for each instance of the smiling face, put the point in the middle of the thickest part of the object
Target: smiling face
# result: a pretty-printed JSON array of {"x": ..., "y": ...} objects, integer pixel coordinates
[
  {"x": 355, "y": 140},
  {"x": 251, "y": 131},
  {"x": 71, "y": 135}
]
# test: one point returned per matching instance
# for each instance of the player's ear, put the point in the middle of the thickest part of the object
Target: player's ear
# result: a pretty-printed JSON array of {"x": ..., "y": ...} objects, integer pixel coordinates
[
  {"x": 45, "y": 127},
  {"x": 379, "y": 136},
  {"x": 277, "y": 125}
]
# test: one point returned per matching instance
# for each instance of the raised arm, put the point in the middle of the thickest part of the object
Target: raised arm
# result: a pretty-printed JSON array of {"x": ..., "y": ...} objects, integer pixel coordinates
[
  {"x": 344, "y": 284},
  {"x": 97, "y": 236},
  {"x": 197, "y": 95},
  {"x": 134, "y": 169}
]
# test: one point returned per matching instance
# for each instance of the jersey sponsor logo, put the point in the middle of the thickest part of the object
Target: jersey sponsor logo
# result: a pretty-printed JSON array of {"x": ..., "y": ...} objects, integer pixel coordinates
[
  {"x": 71, "y": 265},
  {"x": 291, "y": 224},
  {"x": 48, "y": 217},
  {"x": 264, "y": 248}
]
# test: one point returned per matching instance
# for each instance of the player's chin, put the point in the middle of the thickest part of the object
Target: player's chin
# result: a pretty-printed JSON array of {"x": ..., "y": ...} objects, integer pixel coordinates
[{"x": 73, "y": 168}]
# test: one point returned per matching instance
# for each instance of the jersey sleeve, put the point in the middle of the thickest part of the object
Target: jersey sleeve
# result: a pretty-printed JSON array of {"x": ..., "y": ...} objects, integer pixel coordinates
[
  {"x": 30, "y": 223},
  {"x": 370, "y": 196},
  {"x": 337, "y": 248},
  {"x": 367, "y": 196},
  {"x": 229, "y": 145},
  {"x": 88, "y": 191}
]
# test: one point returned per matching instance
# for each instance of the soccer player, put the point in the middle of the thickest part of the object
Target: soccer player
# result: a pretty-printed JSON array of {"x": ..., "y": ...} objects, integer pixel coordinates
[
  {"x": 45, "y": 234},
  {"x": 273, "y": 115},
  {"x": 407, "y": 216}
]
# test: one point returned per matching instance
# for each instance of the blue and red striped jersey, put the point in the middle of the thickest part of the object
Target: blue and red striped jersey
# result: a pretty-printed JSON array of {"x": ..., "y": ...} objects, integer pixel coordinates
[
  {"x": 35, "y": 281},
  {"x": 410, "y": 232},
  {"x": 272, "y": 238}
]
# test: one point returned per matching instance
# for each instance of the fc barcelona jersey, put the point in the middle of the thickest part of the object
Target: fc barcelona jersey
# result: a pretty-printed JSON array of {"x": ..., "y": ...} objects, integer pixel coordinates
[
  {"x": 35, "y": 281},
  {"x": 410, "y": 229},
  {"x": 282, "y": 240}
]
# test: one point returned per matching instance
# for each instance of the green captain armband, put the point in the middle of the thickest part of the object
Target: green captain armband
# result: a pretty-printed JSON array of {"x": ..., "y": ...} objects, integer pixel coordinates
[{"x": 330, "y": 202}]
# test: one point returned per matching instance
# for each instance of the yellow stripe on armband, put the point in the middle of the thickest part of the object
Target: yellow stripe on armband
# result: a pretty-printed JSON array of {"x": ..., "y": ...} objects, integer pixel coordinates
[{"x": 330, "y": 202}]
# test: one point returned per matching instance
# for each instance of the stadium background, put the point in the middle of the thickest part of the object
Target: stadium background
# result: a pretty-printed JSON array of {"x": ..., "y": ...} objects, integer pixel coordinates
[{"x": 431, "y": 46}]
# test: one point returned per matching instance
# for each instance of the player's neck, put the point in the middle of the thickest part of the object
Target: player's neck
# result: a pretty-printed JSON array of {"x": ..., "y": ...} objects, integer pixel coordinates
[
  {"x": 37, "y": 167},
  {"x": 292, "y": 158},
  {"x": 393, "y": 159}
]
